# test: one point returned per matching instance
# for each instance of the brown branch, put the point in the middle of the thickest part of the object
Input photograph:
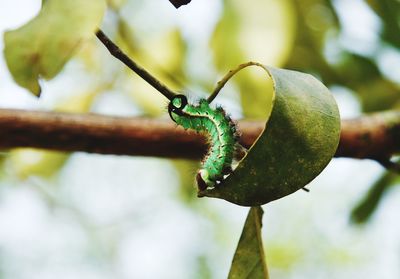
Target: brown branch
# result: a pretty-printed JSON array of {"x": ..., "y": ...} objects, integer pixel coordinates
[{"x": 374, "y": 136}]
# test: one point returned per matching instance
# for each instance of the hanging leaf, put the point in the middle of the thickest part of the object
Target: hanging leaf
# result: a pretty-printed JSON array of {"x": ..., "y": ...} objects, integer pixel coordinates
[
  {"x": 40, "y": 48},
  {"x": 249, "y": 260},
  {"x": 299, "y": 140}
]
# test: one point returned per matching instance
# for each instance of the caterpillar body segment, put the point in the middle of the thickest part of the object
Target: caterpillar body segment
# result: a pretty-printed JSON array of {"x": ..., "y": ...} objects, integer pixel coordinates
[{"x": 221, "y": 133}]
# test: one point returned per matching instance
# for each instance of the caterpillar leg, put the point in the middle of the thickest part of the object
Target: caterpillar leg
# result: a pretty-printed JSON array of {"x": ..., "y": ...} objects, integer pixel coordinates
[
  {"x": 203, "y": 180},
  {"x": 240, "y": 152},
  {"x": 227, "y": 170},
  {"x": 201, "y": 184}
]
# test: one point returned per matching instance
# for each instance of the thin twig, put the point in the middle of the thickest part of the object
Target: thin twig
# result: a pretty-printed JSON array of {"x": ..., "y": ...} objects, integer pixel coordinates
[
  {"x": 390, "y": 165},
  {"x": 120, "y": 55}
]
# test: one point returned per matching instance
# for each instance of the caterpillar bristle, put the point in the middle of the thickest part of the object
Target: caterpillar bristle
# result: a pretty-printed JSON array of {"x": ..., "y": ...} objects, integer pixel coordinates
[
  {"x": 222, "y": 137},
  {"x": 239, "y": 152},
  {"x": 220, "y": 110}
]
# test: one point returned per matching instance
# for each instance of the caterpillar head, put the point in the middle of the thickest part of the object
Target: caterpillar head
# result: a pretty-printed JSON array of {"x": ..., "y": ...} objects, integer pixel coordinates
[{"x": 176, "y": 106}]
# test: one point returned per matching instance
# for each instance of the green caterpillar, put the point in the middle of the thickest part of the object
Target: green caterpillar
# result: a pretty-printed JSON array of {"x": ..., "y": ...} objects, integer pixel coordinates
[{"x": 220, "y": 130}]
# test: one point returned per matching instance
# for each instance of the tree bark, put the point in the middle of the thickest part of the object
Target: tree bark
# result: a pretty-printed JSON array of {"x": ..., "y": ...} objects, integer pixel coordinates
[{"x": 375, "y": 136}]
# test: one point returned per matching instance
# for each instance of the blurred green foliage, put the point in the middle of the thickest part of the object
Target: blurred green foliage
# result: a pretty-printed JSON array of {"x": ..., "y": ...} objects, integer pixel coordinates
[
  {"x": 186, "y": 172},
  {"x": 363, "y": 211},
  {"x": 164, "y": 55},
  {"x": 284, "y": 255},
  {"x": 63, "y": 26},
  {"x": 3, "y": 156},
  {"x": 293, "y": 34},
  {"x": 262, "y": 31},
  {"x": 389, "y": 13}
]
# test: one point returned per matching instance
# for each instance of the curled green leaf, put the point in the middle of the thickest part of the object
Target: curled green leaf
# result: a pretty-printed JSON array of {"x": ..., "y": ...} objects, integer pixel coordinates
[
  {"x": 299, "y": 140},
  {"x": 40, "y": 48}
]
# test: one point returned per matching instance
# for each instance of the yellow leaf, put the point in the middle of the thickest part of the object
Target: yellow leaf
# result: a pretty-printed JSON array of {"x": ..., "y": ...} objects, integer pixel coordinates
[{"x": 40, "y": 48}]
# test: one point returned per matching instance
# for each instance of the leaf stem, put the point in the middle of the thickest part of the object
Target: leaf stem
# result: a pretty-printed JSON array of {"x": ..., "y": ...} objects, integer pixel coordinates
[
  {"x": 228, "y": 76},
  {"x": 120, "y": 55}
]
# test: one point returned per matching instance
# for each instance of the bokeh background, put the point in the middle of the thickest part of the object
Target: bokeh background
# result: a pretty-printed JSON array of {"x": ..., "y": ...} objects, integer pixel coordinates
[{"x": 95, "y": 216}]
